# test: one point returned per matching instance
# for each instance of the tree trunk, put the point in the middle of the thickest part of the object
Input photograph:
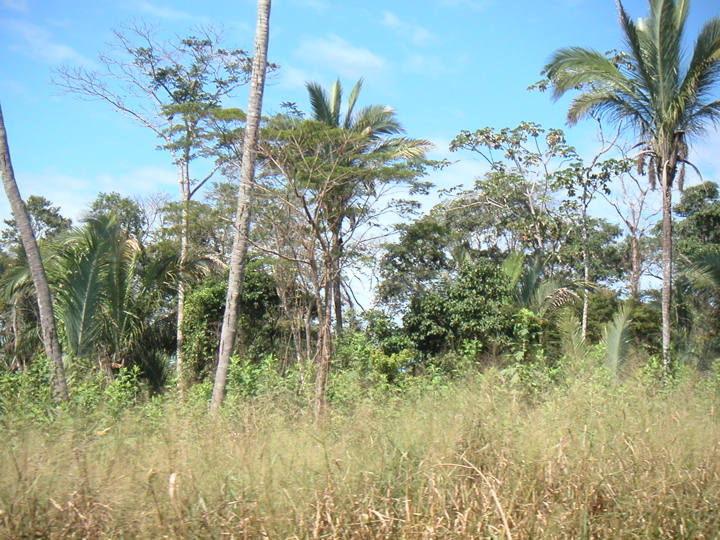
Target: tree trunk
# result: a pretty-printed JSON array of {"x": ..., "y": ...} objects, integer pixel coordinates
[
  {"x": 586, "y": 268},
  {"x": 324, "y": 349},
  {"x": 666, "y": 265},
  {"x": 636, "y": 257},
  {"x": 242, "y": 222},
  {"x": 335, "y": 280},
  {"x": 37, "y": 270},
  {"x": 184, "y": 180}
]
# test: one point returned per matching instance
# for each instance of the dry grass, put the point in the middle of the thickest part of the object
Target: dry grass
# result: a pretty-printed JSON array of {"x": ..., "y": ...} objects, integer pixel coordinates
[{"x": 473, "y": 461}]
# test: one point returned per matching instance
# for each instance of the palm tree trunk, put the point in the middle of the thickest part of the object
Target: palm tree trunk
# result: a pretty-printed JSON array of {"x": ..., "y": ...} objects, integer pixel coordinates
[
  {"x": 247, "y": 181},
  {"x": 666, "y": 265},
  {"x": 586, "y": 268},
  {"x": 37, "y": 270}
]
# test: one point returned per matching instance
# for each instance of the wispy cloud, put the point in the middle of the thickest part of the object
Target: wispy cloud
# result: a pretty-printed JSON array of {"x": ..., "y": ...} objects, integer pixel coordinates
[
  {"x": 472, "y": 4},
  {"x": 426, "y": 65},
  {"x": 314, "y": 4},
  {"x": 342, "y": 57},
  {"x": 417, "y": 34},
  {"x": 37, "y": 41},
  {"x": 15, "y": 5},
  {"x": 292, "y": 77},
  {"x": 162, "y": 12},
  {"x": 74, "y": 194}
]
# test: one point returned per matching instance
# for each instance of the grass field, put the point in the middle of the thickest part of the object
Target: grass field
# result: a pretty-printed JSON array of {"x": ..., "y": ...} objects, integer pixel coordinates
[{"x": 479, "y": 458}]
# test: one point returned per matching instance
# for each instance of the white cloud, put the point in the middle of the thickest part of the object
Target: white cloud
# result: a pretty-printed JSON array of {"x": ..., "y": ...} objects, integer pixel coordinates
[
  {"x": 73, "y": 194},
  {"x": 148, "y": 179},
  {"x": 314, "y": 4},
  {"x": 292, "y": 77},
  {"x": 417, "y": 34},
  {"x": 162, "y": 12},
  {"x": 16, "y": 5},
  {"x": 342, "y": 57},
  {"x": 38, "y": 42},
  {"x": 426, "y": 65},
  {"x": 473, "y": 4}
]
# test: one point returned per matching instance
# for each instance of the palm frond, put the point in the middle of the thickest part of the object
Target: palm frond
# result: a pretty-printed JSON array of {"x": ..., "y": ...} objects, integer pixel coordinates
[
  {"x": 572, "y": 68},
  {"x": 404, "y": 148},
  {"x": 513, "y": 266},
  {"x": 319, "y": 103},
  {"x": 80, "y": 294},
  {"x": 616, "y": 339},
  {"x": 550, "y": 295},
  {"x": 704, "y": 273},
  {"x": 376, "y": 120},
  {"x": 575, "y": 348},
  {"x": 335, "y": 103},
  {"x": 352, "y": 100}
]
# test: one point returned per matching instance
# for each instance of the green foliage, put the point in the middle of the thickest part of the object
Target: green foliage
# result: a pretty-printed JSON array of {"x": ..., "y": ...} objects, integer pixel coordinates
[
  {"x": 248, "y": 379},
  {"x": 698, "y": 232},
  {"x": 527, "y": 327},
  {"x": 27, "y": 394},
  {"x": 130, "y": 217},
  {"x": 93, "y": 392},
  {"x": 46, "y": 221},
  {"x": 384, "y": 332},
  {"x": 204, "y": 310},
  {"x": 415, "y": 262},
  {"x": 472, "y": 306},
  {"x": 616, "y": 339}
]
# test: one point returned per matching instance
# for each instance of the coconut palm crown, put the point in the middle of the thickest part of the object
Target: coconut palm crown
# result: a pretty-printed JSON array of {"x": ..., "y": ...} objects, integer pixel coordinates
[
  {"x": 376, "y": 122},
  {"x": 665, "y": 95}
]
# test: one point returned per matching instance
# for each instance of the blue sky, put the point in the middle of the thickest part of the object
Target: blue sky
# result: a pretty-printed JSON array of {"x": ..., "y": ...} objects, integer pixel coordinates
[{"x": 444, "y": 65}]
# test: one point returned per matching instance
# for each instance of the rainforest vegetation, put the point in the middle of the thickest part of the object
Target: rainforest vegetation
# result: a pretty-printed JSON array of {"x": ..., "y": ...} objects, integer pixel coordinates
[{"x": 501, "y": 362}]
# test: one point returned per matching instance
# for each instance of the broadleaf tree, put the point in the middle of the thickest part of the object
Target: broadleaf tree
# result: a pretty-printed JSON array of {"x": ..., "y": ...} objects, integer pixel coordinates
[{"x": 174, "y": 88}]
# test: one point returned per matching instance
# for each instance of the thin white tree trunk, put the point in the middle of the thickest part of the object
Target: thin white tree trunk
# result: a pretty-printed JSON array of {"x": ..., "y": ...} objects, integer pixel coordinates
[
  {"x": 242, "y": 221},
  {"x": 666, "y": 266},
  {"x": 184, "y": 181},
  {"x": 37, "y": 270},
  {"x": 324, "y": 347},
  {"x": 586, "y": 266}
]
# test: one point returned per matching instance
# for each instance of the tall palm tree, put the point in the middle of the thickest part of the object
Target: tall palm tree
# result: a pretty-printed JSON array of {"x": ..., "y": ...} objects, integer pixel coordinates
[
  {"x": 42, "y": 289},
  {"x": 228, "y": 332},
  {"x": 380, "y": 126},
  {"x": 664, "y": 96}
]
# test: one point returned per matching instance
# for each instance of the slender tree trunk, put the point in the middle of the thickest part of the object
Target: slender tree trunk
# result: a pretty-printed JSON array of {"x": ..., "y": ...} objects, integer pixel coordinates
[
  {"x": 586, "y": 270},
  {"x": 247, "y": 181},
  {"x": 666, "y": 265},
  {"x": 636, "y": 265},
  {"x": 184, "y": 180},
  {"x": 336, "y": 284},
  {"x": 324, "y": 349},
  {"x": 37, "y": 270}
]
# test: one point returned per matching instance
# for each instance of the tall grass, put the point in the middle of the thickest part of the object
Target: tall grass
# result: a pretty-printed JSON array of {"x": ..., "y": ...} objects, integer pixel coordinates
[{"x": 476, "y": 459}]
